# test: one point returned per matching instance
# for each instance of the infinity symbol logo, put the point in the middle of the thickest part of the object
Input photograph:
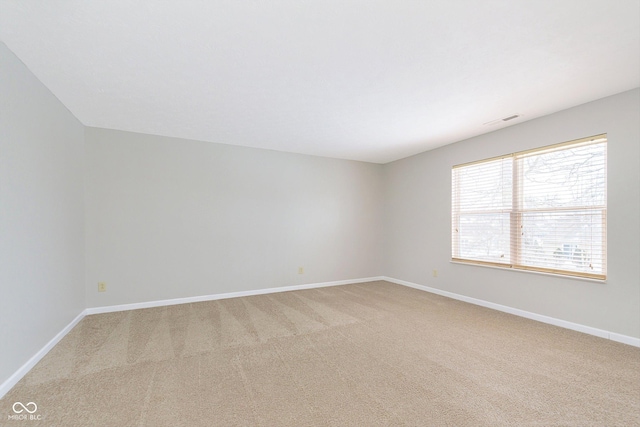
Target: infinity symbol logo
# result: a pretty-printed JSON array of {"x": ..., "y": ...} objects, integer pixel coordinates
[{"x": 26, "y": 407}]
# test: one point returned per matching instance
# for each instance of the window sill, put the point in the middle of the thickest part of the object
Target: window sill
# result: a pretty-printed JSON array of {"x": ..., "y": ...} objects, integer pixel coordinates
[{"x": 563, "y": 276}]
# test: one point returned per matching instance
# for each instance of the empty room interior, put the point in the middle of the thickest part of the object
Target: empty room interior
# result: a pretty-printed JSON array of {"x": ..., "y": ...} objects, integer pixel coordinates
[{"x": 320, "y": 213}]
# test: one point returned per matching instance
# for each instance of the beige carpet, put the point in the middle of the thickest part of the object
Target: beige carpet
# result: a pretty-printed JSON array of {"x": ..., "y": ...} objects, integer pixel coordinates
[{"x": 356, "y": 355}]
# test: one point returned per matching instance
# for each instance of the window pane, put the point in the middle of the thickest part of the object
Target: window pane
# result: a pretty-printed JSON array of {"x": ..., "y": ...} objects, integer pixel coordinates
[
  {"x": 484, "y": 186},
  {"x": 564, "y": 178},
  {"x": 567, "y": 240},
  {"x": 484, "y": 237}
]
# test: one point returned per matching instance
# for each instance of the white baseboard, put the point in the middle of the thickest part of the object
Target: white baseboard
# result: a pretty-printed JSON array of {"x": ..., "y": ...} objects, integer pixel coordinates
[
  {"x": 160, "y": 303},
  {"x": 22, "y": 371},
  {"x": 522, "y": 313},
  {"x": 624, "y": 339}
]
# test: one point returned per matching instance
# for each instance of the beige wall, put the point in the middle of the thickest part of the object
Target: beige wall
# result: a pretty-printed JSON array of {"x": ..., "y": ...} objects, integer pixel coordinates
[
  {"x": 169, "y": 218},
  {"x": 41, "y": 215}
]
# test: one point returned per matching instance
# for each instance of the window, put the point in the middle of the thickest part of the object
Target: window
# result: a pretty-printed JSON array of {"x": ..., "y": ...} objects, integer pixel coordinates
[{"x": 542, "y": 210}]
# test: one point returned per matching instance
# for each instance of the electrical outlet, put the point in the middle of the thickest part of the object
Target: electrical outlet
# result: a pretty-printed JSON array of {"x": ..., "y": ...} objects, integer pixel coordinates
[
  {"x": 435, "y": 273},
  {"x": 300, "y": 270},
  {"x": 102, "y": 287}
]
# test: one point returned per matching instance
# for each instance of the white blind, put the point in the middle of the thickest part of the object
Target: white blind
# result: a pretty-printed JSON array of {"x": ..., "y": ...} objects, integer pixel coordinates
[
  {"x": 541, "y": 210},
  {"x": 482, "y": 204}
]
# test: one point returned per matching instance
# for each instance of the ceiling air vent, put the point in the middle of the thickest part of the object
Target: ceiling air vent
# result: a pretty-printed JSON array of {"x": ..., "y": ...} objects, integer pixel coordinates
[{"x": 505, "y": 119}]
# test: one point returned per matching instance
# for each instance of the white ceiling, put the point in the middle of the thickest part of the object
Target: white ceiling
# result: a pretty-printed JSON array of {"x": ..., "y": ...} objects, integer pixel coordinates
[{"x": 364, "y": 80}]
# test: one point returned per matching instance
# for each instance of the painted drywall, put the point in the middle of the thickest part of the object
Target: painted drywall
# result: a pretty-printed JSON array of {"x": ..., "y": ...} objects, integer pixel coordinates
[
  {"x": 171, "y": 218},
  {"x": 41, "y": 215},
  {"x": 417, "y": 237}
]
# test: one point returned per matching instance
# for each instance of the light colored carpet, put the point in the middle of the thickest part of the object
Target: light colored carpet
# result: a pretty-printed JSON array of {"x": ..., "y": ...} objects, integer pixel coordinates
[{"x": 356, "y": 355}]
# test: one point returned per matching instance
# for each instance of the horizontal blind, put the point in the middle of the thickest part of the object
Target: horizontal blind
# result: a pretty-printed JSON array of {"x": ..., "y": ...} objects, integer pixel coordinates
[
  {"x": 482, "y": 202},
  {"x": 562, "y": 208},
  {"x": 541, "y": 210}
]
